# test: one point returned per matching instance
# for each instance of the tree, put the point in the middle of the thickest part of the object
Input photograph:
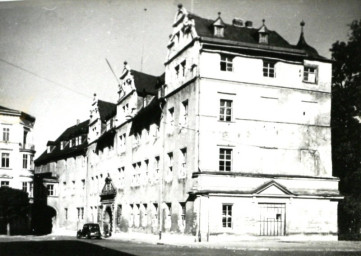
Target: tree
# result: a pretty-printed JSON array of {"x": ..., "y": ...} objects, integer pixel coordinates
[
  {"x": 14, "y": 210},
  {"x": 346, "y": 127}
]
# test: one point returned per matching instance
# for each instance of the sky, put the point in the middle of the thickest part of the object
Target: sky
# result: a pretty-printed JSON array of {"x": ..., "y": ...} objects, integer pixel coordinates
[{"x": 53, "y": 53}]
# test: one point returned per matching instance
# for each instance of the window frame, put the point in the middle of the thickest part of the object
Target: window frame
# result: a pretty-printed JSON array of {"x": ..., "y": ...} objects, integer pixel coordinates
[
  {"x": 50, "y": 189},
  {"x": 6, "y": 134},
  {"x": 25, "y": 161},
  {"x": 308, "y": 66},
  {"x": 4, "y": 183},
  {"x": 5, "y": 160},
  {"x": 226, "y": 63},
  {"x": 269, "y": 68},
  {"x": 222, "y": 167},
  {"x": 223, "y": 116},
  {"x": 227, "y": 219}
]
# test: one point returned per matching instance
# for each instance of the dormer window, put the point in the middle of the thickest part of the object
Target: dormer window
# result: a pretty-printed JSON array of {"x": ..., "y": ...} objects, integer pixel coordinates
[
  {"x": 62, "y": 143},
  {"x": 263, "y": 38},
  {"x": 263, "y": 33},
  {"x": 218, "y": 26},
  {"x": 219, "y": 31}
]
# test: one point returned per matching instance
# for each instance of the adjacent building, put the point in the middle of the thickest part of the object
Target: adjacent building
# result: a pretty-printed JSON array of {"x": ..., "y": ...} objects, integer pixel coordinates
[
  {"x": 233, "y": 138},
  {"x": 16, "y": 150}
]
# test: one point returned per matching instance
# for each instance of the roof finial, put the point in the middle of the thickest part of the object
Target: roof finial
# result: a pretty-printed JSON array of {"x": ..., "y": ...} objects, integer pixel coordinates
[
  {"x": 302, "y": 25},
  {"x": 180, "y": 6},
  {"x": 125, "y": 63},
  {"x": 263, "y": 21},
  {"x": 219, "y": 14}
]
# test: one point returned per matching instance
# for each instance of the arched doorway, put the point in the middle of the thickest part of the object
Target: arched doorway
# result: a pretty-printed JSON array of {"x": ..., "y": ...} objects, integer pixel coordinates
[{"x": 107, "y": 221}]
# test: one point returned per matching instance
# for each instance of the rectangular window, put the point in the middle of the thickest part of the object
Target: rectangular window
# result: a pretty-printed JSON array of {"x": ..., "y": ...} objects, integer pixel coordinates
[
  {"x": 184, "y": 157},
  {"x": 171, "y": 120},
  {"x": 6, "y": 134},
  {"x": 310, "y": 74},
  {"x": 156, "y": 163},
  {"x": 227, "y": 215},
  {"x": 4, "y": 183},
  {"x": 66, "y": 213},
  {"x": 31, "y": 161},
  {"x": 50, "y": 188},
  {"x": 183, "y": 64},
  {"x": 269, "y": 69},
  {"x": 31, "y": 189},
  {"x": 184, "y": 107},
  {"x": 25, "y": 186},
  {"x": 225, "y": 110},
  {"x": 225, "y": 159},
  {"x": 5, "y": 160},
  {"x": 170, "y": 161},
  {"x": 226, "y": 63},
  {"x": 25, "y": 161},
  {"x": 176, "y": 70}
]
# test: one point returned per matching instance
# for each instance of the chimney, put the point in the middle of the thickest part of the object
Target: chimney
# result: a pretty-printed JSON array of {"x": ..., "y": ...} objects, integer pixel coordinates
[
  {"x": 237, "y": 22},
  {"x": 249, "y": 24},
  {"x": 77, "y": 122}
]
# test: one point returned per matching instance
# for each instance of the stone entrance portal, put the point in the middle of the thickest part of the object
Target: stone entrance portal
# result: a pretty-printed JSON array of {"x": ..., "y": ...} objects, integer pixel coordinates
[{"x": 107, "y": 201}]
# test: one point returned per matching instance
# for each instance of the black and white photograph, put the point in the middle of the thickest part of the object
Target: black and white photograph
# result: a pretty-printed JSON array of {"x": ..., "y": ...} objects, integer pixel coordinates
[{"x": 192, "y": 127}]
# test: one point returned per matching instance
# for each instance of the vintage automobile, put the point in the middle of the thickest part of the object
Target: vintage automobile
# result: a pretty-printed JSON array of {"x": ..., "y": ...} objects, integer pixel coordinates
[{"x": 89, "y": 230}]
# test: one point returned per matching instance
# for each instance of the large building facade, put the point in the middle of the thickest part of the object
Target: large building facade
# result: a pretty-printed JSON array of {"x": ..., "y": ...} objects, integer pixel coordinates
[{"x": 233, "y": 138}]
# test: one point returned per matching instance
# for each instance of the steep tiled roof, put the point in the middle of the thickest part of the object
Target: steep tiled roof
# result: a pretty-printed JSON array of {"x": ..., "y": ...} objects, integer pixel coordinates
[
  {"x": 144, "y": 83},
  {"x": 107, "y": 110},
  {"x": 80, "y": 129},
  {"x": 249, "y": 36}
]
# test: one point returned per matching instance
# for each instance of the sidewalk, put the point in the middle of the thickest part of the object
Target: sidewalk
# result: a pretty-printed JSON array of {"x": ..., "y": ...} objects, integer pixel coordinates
[{"x": 240, "y": 243}]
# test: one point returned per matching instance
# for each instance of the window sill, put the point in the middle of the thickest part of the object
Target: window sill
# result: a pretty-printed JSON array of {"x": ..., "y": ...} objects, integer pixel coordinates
[
  {"x": 308, "y": 82},
  {"x": 230, "y": 122},
  {"x": 5, "y": 168}
]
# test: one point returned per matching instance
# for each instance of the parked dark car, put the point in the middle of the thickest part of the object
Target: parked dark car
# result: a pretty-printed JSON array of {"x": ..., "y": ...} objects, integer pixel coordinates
[{"x": 89, "y": 230}]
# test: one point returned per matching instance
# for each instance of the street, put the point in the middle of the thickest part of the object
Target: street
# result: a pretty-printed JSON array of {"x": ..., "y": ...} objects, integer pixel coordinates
[{"x": 70, "y": 246}]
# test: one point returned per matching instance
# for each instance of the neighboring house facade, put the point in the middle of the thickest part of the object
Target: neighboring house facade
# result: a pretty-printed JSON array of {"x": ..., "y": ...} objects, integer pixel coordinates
[
  {"x": 234, "y": 138},
  {"x": 16, "y": 150}
]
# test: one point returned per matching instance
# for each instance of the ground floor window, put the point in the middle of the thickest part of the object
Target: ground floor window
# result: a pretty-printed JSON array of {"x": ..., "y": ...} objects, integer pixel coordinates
[{"x": 227, "y": 215}]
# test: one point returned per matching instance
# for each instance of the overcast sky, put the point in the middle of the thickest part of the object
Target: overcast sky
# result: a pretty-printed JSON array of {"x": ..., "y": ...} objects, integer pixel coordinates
[{"x": 52, "y": 53}]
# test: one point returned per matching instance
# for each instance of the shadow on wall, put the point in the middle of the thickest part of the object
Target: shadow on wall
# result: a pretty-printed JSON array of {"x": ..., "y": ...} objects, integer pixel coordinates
[{"x": 43, "y": 214}]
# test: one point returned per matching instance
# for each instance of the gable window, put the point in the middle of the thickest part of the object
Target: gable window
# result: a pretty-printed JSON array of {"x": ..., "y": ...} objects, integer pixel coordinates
[
  {"x": 269, "y": 68},
  {"x": 225, "y": 159},
  {"x": 6, "y": 134},
  {"x": 5, "y": 160},
  {"x": 225, "y": 110},
  {"x": 310, "y": 74},
  {"x": 25, "y": 161},
  {"x": 227, "y": 215},
  {"x": 226, "y": 63},
  {"x": 50, "y": 188}
]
